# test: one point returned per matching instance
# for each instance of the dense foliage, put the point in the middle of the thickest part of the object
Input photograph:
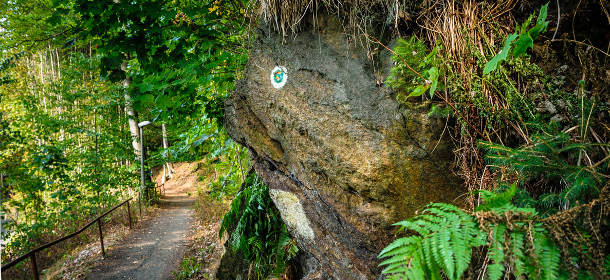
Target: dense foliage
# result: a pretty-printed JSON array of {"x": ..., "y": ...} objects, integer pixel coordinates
[
  {"x": 257, "y": 229},
  {"x": 514, "y": 241},
  {"x": 446, "y": 236},
  {"x": 77, "y": 75},
  {"x": 75, "y": 78},
  {"x": 553, "y": 159},
  {"x": 182, "y": 56},
  {"x": 527, "y": 139},
  {"x": 65, "y": 158}
]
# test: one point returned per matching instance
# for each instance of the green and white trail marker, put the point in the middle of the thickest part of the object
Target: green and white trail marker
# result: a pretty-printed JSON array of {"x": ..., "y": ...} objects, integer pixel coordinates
[{"x": 278, "y": 76}]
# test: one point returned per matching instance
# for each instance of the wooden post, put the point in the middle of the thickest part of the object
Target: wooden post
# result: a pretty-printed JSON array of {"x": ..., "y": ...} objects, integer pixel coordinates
[
  {"x": 99, "y": 227},
  {"x": 34, "y": 266},
  {"x": 129, "y": 214}
]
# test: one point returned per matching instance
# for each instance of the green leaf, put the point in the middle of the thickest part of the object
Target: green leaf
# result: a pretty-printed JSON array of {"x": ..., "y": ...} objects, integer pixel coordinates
[
  {"x": 437, "y": 112},
  {"x": 496, "y": 253},
  {"x": 501, "y": 56},
  {"x": 434, "y": 73},
  {"x": 496, "y": 201},
  {"x": 542, "y": 15},
  {"x": 522, "y": 44},
  {"x": 419, "y": 90},
  {"x": 164, "y": 102},
  {"x": 446, "y": 251},
  {"x": 145, "y": 87},
  {"x": 519, "y": 259}
]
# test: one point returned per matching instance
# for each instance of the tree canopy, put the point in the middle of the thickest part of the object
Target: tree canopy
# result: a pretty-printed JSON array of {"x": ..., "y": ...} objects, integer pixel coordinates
[{"x": 70, "y": 72}]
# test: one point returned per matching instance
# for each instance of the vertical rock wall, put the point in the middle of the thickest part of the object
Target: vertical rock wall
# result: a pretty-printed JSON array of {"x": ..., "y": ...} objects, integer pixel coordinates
[{"x": 342, "y": 158}]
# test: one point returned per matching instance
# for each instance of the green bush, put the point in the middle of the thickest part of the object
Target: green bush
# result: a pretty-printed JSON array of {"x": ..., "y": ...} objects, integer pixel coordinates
[
  {"x": 189, "y": 267},
  {"x": 260, "y": 234}
]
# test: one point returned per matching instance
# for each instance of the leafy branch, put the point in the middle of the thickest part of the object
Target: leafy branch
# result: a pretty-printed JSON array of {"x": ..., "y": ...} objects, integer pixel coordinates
[{"x": 517, "y": 43}]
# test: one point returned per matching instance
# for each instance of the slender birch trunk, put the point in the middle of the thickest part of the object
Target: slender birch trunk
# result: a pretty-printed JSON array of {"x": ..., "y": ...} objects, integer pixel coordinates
[
  {"x": 132, "y": 116},
  {"x": 168, "y": 172}
]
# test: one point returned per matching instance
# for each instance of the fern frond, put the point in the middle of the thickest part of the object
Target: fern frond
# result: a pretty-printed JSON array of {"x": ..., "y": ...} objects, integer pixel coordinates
[
  {"x": 259, "y": 232},
  {"x": 256, "y": 242},
  {"x": 446, "y": 251},
  {"x": 498, "y": 202},
  {"x": 396, "y": 264},
  {"x": 399, "y": 243},
  {"x": 445, "y": 207},
  {"x": 419, "y": 226},
  {"x": 231, "y": 216},
  {"x": 415, "y": 268},
  {"x": 517, "y": 241},
  {"x": 536, "y": 252},
  {"x": 445, "y": 248},
  {"x": 495, "y": 271},
  {"x": 431, "y": 257},
  {"x": 431, "y": 222},
  {"x": 496, "y": 253},
  {"x": 550, "y": 258},
  {"x": 465, "y": 236},
  {"x": 583, "y": 183},
  {"x": 442, "y": 214}
]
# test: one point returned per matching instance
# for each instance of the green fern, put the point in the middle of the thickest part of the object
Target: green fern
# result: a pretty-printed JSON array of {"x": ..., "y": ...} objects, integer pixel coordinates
[
  {"x": 443, "y": 239},
  {"x": 496, "y": 252},
  {"x": 259, "y": 233},
  {"x": 441, "y": 229},
  {"x": 553, "y": 158},
  {"x": 517, "y": 255}
]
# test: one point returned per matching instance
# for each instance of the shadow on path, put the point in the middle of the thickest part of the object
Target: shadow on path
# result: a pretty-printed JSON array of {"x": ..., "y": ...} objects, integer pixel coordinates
[{"x": 155, "y": 249}]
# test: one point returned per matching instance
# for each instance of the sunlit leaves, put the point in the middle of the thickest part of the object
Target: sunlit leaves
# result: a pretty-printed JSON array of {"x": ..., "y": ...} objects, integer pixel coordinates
[
  {"x": 67, "y": 145},
  {"x": 501, "y": 56},
  {"x": 518, "y": 43}
]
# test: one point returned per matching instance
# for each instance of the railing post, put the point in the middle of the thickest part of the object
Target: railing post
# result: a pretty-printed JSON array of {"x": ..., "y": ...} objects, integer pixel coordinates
[
  {"x": 129, "y": 214},
  {"x": 99, "y": 227},
  {"x": 34, "y": 266},
  {"x": 32, "y": 253}
]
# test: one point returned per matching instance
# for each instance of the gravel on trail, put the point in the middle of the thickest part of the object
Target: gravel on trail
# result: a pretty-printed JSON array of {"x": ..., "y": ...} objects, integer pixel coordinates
[{"x": 153, "y": 250}]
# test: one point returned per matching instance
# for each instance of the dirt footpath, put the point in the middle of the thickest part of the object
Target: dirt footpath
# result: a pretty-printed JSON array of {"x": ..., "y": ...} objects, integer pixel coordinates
[{"x": 156, "y": 248}]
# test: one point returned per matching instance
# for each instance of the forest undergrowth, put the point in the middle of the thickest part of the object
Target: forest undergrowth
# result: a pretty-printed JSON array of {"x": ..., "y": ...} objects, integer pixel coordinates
[
  {"x": 236, "y": 213},
  {"x": 533, "y": 145}
]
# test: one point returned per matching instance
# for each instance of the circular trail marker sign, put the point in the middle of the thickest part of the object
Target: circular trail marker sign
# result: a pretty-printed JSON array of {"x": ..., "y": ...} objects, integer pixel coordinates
[{"x": 278, "y": 76}]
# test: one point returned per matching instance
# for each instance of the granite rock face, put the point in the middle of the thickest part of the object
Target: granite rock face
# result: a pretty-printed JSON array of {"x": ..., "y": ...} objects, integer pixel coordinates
[{"x": 343, "y": 159}]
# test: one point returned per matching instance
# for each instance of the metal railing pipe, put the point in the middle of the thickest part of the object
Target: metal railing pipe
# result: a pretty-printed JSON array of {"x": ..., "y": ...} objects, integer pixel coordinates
[{"x": 32, "y": 253}]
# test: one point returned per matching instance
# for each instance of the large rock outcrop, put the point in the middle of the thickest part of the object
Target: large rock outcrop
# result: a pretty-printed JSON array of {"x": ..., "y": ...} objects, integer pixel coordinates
[{"x": 343, "y": 159}]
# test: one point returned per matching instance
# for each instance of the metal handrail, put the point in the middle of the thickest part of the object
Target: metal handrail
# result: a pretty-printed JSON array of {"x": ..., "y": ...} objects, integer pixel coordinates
[
  {"x": 32, "y": 253},
  {"x": 160, "y": 188}
]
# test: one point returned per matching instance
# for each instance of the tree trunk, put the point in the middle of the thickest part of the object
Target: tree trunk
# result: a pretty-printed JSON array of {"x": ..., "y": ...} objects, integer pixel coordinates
[
  {"x": 168, "y": 172},
  {"x": 132, "y": 115}
]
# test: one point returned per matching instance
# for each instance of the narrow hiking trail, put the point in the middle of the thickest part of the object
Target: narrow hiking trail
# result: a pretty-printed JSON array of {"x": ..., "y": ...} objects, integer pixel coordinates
[{"x": 155, "y": 248}]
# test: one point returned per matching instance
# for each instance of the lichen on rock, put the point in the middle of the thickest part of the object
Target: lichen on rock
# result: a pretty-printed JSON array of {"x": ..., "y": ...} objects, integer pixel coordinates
[{"x": 292, "y": 213}]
